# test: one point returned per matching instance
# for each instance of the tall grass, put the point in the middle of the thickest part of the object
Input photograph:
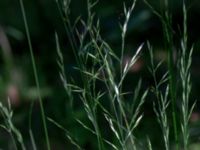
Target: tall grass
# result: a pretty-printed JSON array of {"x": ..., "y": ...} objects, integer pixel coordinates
[
  {"x": 106, "y": 58},
  {"x": 183, "y": 71},
  {"x": 100, "y": 54},
  {"x": 89, "y": 47},
  {"x": 166, "y": 20}
]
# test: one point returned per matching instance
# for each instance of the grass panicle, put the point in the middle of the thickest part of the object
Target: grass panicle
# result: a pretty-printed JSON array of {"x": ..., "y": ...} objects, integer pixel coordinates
[
  {"x": 127, "y": 14},
  {"x": 160, "y": 105},
  {"x": 166, "y": 20},
  {"x": 185, "y": 75}
]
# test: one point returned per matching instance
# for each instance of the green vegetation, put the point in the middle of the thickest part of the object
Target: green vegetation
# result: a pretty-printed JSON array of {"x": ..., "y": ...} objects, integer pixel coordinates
[{"x": 98, "y": 103}]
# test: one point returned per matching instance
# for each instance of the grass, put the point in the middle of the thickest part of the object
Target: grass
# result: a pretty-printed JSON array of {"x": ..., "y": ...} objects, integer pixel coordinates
[
  {"x": 166, "y": 19},
  {"x": 121, "y": 121},
  {"x": 161, "y": 99},
  {"x": 14, "y": 133},
  {"x": 185, "y": 64},
  {"x": 35, "y": 74}
]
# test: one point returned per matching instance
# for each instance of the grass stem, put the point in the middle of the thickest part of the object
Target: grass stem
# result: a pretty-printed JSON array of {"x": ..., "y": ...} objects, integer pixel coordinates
[{"x": 35, "y": 74}]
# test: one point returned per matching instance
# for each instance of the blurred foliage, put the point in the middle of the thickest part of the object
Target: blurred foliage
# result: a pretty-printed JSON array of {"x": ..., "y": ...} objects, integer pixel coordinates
[{"x": 16, "y": 75}]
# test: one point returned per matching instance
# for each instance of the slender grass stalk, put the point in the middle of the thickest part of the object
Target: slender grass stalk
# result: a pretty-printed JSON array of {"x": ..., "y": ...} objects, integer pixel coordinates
[
  {"x": 171, "y": 66},
  {"x": 35, "y": 74},
  {"x": 67, "y": 25},
  {"x": 72, "y": 140},
  {"x": 30, "y": 128},
  {"x": 168, "y": 41},
  {"x": 172, "y": 81}
]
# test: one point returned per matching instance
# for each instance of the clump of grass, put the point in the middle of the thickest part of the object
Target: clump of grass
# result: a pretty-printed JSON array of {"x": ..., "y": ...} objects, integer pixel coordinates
[
  {"x": 102, "y": 55},
  {"x": 122, "y": 121},
  {"x": 183, "y": 70}
]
